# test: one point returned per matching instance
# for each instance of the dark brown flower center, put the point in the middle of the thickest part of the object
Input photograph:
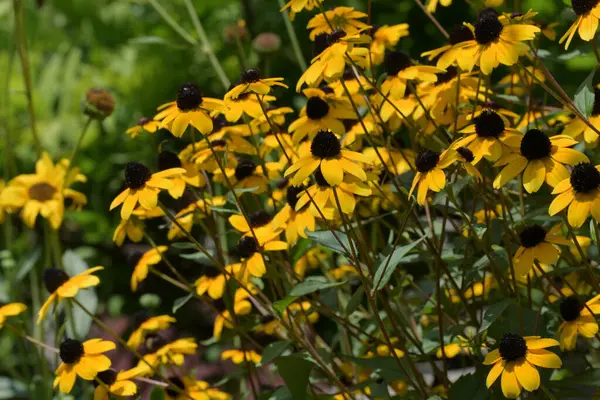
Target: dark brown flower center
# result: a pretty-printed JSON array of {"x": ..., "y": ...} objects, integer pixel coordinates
[
  {"x": 447, "y": 76},
  {"x": 532, "y": 235},
  {"x": 54, "y": 278},
  {"x": 292, "y": 195},
  {"x": 189, "y": 97},
  {"x": 247, "y": 246},
  {"x": 168, "y": 160},
  {"x": 244, "y": 169},
  {"x": 320, "y": 44},
  {"x": 535, "y": 145},
  {"x": 325, "y": 145},
  {"x": 570, "y": 308},
  {"x": 396, "y": 61},
  {"x": 585, "y": 178},
  {"x": 107, "y": 377},
  {"x": 489, "y": 124},
  {"x": 251, "y": 75},
  {"x": 41, "y": 191},
  {"x": 320, "y": 179},
  {"x": 466, "y": 154},
  {"x": 461, "y": 34},
  {"x": 488, "y": 29},
  {"x": 136, "y": 175},
  {"x": 512, "y": 347},
  {"x": 427, "y": 160},
  {"x": 335, "y": 36},
  {"x": 259, "y": 218},
  {"x": 316, "y": 108},
  {"x": 71, "y": 351},
  {"x": 583, "y": 6}
]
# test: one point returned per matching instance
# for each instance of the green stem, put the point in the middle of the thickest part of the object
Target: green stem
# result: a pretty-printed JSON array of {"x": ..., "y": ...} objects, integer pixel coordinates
[
  {"x": 78, "y": 144},
  {"x": 171, "y": 22},
  {"x": 293, "y": 38}
]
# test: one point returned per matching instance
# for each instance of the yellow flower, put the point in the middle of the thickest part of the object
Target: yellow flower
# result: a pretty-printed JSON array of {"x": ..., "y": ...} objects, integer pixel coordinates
[
  {"x": 487, "y": 137},
  {"x": 248, "y": 175},
  {"x": 330, "y": 159},
  {"x": 430, "y": 172},
  {"x": 548, "y": 30},
  {"x": 150, "y": 325},
  {"x": 190, "y": 108},
  {"x": 276, "y": 116},
  {"x": 453, "y": 349},
  {"x": 144, "y": 124},
  {"x": 149, "y": 258},
  {"x": 580, "y": 192},
  {"x": 241, "y": 306},
  {"x": 342, "y": 272},
  {"x": 213, "y": 283},
  {"x": 116, "y": 383},
  {"x": 241, "y": 357},
  {"x": 496, "y": 43},
  {"x": 400, "y": 70},
  {"x": 143, "y": 187},
  {"x": 454, "y": 52},
  {"x": 168, "y": 160},
  {"x": 169, "y": 354},
  {"x": 578, "y": 318},
  {"x": 42, "y": 193},
  {"x": 432, "y": 4},
  {"x": 385, "y": 37},
  {"x": 61, "y": 286},
  {"x": 295, "y": 222},
  {"x": 251, "y": 249},
  {"x": 397, "y": 161},
  {"x": 586, "y": 24},
  {"x": 81, "y": 359},
  {"x": 341, "y": 19},
  {"x": 133, "y": 228},
  {"x": 197, "y": 210},
  {"x": 247, "y": 103},
  {"x": 578, "y": 127},
  {"x": 540, "y": 158},
  {"x": 516, "y": 360},
  {"x": 537, "y": 244},
  {"x": 193, "y": 389},
  {"x": 323, "y": 111},
  {"x": 253, "y": 83},
  {"x": 311, "y": 260},
  {"x": 518, "y": 84},
  {"x": 296, "y": 6},
  {"x": 10, "y": 310},
  {"x": 257, "y": 225}
]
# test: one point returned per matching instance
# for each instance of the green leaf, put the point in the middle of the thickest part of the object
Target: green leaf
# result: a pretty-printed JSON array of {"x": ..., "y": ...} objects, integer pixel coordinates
[
  {"x": 327, "y": 239},
  {"x": 492, "y": 313},
  {"x": 282, "y": 304},
  {"x": 28, "y": 264},
  {"x": 198, "y": 257},
  {"x": 313, "y": 284},
  {"x": 180, "y": 302},
  {"x": 157, "y": 393},
  {"x": 75, "y": 265},
  {"x": 355, "y": 300},
  {"x": 388, "y": 265},
  {"x": 295, "y": 371},
  {"x": 470, "y": 387},
  {"x": 584, "y": 97},
  {"x": 272, "y": 351},
  {"x": 11, "y": 389}
]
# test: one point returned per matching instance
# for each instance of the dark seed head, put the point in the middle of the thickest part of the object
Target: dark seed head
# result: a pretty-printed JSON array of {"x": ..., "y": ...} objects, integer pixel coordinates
[
  {"x": 489, "y": 124},
  {"x": 143, "y": 121},
  {"x": 316, "y": 108},
  {"x": 168, "y": 160},
  {"x": 247, "y": 246},
  {"x": 325, "y": 145},
  {"x": 466, "y": 154},
  {"x": 321, "y": 181},
  {"x": 292, "y": 195},
  {"x": 41, "y": 191},
  {"x": 335, "y": 36},
  {"x": 175, "y": 381},
  {"x": 596, "y": 108},
  {"x": 427, "y": 160},
  {"x": 71, "y": 351},
  {"x": 153, "y": 342},
  {"x": 583, "y": 6},
  {"x": 535, "y": 145},
  {"x": 218, "y": 143},
  {"x": 488, "y": 29},
  {"x": 585, "y": 178},
  {"x": 219, "y": 122},
  {"x": 320, "y": 44},
  {"x": 189, "y": 97},
  {"x": 447, "y": 76},
  {"x": 54, "y": 278},
  {"x": 396, "y": 61},
  {"x": 532, "y": 235},
  {"x": 244, "y": 169},
  {"x": 512, "y": 347},
  {"x": 250, "y": 75},
  {"x": 259, "y": 218},
  {"x": 488, "y": 12},
  {"x": 461, "y": 34},
  {"x": 282, "y": 184},
  {"x": 136, "y": 175},
  {"x": 107, "y": 377},
  {"x": 570, "y": 308}
]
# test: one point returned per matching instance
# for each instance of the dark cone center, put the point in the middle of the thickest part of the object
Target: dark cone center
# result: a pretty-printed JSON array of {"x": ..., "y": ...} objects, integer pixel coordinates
[
  {"x": 107, "y": 377},
  {"x": 259, "y": 218},
  {"x": 585, "y": 178},
  {"x": 488, "y": 29},
  {"x": 153, "y": 342},
  {"x": 466, "y": 154},
  {"x": 335, "y": 36},
  {"x": 489, "y": 124},
  {"x": 218, "y": 143},
  {"x": 512, "y": 347},
  {"x": 570, "y": 308},
  {"x": 247, "y": 246},
  {"x": 54, "y": 278},
  {"x": 535, "y": 145},
  {"x": 320, "y": 44},
  {"x": 168, "y": 160},
  {"x": 251, "y": 75},
  {"x": 244, "y": 169},
  {"x": 583, "y": 6},
  {"x": 136, "y": 175},
  {"x": 42, "y": 191},
  {"x": 71, "y": 351},
  {"x": 316, "y": 108},
  {"x": 532, "y": 235},
  {"x": 396, "y": 61},
  {"x": 325, "y": 145},
  {"x": 143, "y": 121},
  {"x": 447, "y": 76},
  {"x": 292, "y": 195},
  {"x": 321, "y": 181},
  {"x": 189, "y": 97},
  {"x": 427, "y": 160},
  {"x": 461, "y": 34}
]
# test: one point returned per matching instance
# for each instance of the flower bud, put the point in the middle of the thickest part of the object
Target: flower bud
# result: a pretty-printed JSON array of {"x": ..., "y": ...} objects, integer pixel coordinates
[
  {"x": 98, "y": 103},
  {"x": 267, "y": 43}
]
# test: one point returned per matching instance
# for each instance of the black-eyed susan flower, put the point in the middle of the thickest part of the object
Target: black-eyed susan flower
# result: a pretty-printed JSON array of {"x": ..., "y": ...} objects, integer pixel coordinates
[
  {"x": 249, "y": 175},
  {"x": 241, "y": 306},
  {"x": 548, "y": 30},
  {"x": 10, "y": 310},
  {"x": 253, "y": 83},
  {"x": 577, "y": 127},
  {"x": 324, "y": 203},
  {"x": 194, "y": 212},
  {"x": 400, "y": 70},
  {"x": 85, "y": 360},
  {"x": 276, "y": 117},
  {"x": 430, "y": 172},
  {"x": 396, "y": 161},
  {"x": 580, "y": 192},
  {"x": 241, "y": 357},
  {"x": 115, "y": 383},
  {"x": 162, "y": 353},
  {"x": 432, "y": 5},
  {"x": 149, "y": 258},
  {"x": 516, "y": 359},
  {"x": 212, "y": 281},
  {"x": 330, "y": 159},
  {"x": 346, "y": 19},
  {"x": 295, "y": 6},
  {"x": 190, "y": 108},
  {"x": 133, "y": 228},
  {"x": 257, "y": 225},
  {"x": 453, "y": 52},
  {"x": 586, "y": 24},
  {"x": 296, "y": 223},
  {"x": 540, "y": 158},
  {"x": 150, "y": 325},
  {"x": 61, "y": 286},
  {"x": 191, "y": 388},
  {"x": 466, "y": 158},
  {"x": 143, "y": 187},
  {"x": 487, "y": 136},
  {"x": 537, "y": 244},
  {"x": 451, "y": 350},
  {"x": 309, "y": 261},
  {"x": 497, "y": 43},
  {"x": 245, "y": 104},
  {"x": 42, "y": 193},
  {"x": 385, "y": 37},
  {"x": 168, "y": 160},
  {"x": 578, "y": 318},
  {"x": 251, "y": 249},
  {"x": 323, "y": 111},
  {"x": 143, "y": 125}
]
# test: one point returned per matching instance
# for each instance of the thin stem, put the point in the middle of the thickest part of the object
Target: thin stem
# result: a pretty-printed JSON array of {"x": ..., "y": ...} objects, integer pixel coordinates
[
  {"x": 172, "y": 23},
  {"x": 78, "y": 144},
  {"x": 293, "y": 38}
]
